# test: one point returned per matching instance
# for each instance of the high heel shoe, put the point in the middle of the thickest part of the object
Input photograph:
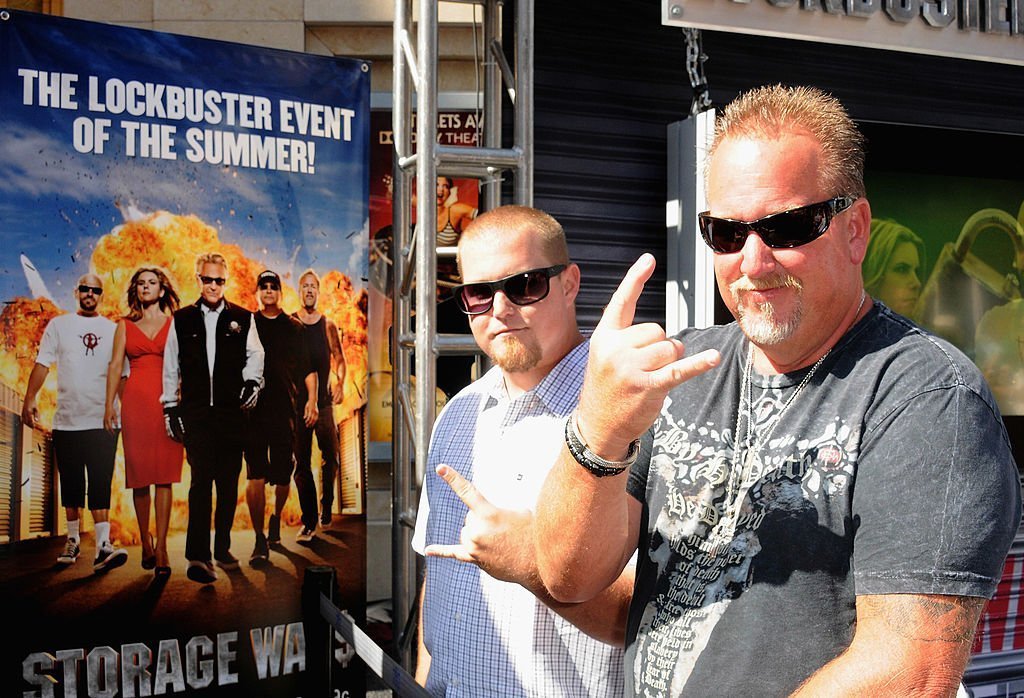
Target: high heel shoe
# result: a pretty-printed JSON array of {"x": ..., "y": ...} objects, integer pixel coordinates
[
  {"x": 161, "y": 571},
  {"x": 149, "y": 561}
]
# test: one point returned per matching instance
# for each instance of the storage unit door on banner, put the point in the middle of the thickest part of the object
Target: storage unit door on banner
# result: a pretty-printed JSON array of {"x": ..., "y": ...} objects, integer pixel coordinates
[
  {"x": 8, "y": 466},
  {"x": 42, "y": 481}
]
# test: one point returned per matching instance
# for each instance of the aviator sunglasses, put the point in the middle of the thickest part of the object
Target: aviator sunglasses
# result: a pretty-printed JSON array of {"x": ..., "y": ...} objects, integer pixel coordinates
[
  {"x": 792, "y": 228},
  {"x": 524, "y": 288}
]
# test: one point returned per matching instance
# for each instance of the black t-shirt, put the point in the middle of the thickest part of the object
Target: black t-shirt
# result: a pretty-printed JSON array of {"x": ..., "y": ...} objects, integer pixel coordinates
[
  {"x": 889, "y": 473},
  {"x": 320, "y": 358},
  {"x": 285, "y": 366}
]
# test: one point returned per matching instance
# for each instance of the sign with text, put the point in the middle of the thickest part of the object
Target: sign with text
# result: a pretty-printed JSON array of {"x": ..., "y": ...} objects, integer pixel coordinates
[
  {"x": 985, "y": 30},
  {"x": 129, "y": 158}
]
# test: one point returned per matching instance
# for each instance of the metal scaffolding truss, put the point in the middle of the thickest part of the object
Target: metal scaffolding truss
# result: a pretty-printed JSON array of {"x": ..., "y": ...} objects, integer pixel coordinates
[{"x": 416, "y": 343}]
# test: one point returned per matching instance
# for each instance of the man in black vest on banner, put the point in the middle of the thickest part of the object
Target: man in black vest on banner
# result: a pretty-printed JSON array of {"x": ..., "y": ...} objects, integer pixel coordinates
[{"x": 213, "y": 370}]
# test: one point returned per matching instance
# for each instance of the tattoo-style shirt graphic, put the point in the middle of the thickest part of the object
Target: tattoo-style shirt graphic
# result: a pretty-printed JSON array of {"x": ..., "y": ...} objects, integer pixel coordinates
[
  {"x": 767, "y": 507},
  {"x": 706, "y": 537}
]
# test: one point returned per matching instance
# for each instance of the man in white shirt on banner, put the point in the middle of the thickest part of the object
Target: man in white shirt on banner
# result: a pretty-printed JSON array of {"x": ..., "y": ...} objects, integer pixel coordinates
[
  {"x": 488, "y": 627},
  {"x": 80, "y": 345}
]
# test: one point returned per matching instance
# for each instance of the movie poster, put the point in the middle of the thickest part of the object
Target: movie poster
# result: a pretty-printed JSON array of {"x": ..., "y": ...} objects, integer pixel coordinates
[
  {"x": 125, "y": 149},
  {"x": 457, "y": 204},
  {"x": 947, "y": 245}
]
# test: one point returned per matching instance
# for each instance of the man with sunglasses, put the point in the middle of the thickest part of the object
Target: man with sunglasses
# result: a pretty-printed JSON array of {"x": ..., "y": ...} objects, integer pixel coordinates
[
  {"x": 213, "y": 371},
  {"x": 80, "y": 343},
  {"x": 271, "y": 425},
  {"x": 820, "y": 493},
  {"x": 488, "y": 627}
]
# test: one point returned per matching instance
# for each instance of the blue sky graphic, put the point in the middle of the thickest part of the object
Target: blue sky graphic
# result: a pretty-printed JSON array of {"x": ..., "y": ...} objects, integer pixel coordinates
[{"x": 55, "y": 202}]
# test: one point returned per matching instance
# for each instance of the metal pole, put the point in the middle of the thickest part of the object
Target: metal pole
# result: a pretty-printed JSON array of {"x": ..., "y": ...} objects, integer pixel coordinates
[
  {"x": 524, "y": 101},
  {"x": 415, "y": 255},
  {"x": 317, "y": 580},
  {"x": 491, "y": 188},
  {"x": 403, "y": 569}
]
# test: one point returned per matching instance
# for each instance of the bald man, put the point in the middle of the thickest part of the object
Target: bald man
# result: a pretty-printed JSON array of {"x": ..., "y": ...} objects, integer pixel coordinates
[{"x": 80, "y": 345}]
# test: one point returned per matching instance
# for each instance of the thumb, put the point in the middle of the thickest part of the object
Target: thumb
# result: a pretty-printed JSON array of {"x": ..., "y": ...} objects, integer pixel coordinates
[{"x": 452, "y": 552}]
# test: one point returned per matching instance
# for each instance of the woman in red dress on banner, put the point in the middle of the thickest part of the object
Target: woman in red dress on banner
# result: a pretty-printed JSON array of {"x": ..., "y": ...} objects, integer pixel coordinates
[{"x": 150, "y": 457}]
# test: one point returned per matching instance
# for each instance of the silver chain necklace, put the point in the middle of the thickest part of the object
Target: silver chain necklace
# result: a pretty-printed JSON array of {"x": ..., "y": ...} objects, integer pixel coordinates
[{"x": 737, "y": 471}]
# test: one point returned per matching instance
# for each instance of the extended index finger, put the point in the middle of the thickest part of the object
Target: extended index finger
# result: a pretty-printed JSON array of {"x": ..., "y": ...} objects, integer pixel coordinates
[
  {"x": 463, "y": 488},
  {"x": 621, "y": 309}
]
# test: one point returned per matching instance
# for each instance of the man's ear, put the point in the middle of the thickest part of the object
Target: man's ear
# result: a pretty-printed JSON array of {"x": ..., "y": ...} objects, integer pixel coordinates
[
  {"x": 570, "y": 278},
  {"x": 859, "y": 229}
]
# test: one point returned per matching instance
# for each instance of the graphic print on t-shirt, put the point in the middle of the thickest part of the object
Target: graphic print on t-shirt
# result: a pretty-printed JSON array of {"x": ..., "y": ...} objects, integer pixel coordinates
[
  {"x": 705, "y": 539},
  {"x": 91, "y": 340}
]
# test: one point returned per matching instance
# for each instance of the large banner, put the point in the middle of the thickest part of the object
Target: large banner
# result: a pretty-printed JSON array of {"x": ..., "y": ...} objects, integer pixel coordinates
[
  {"x": 947, "y": 245},
  {"x": 125, "y": 150}
]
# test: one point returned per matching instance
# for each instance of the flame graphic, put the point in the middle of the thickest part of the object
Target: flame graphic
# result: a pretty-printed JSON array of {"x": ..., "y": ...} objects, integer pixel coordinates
[{"x": 173, "y": 242}]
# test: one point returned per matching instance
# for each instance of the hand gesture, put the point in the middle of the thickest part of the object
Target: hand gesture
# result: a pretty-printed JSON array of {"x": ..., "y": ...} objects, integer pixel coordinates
[
  {"x": 498, "y": 541},
  {"x": 630, "y": 370}
]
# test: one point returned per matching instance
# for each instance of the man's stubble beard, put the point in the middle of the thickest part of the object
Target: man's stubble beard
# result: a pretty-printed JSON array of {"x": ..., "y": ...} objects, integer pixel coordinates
[
  {"x": 513, "y": 355},
  {"x": 85, "y": 309},
  {"x": 763, "y": 326}
]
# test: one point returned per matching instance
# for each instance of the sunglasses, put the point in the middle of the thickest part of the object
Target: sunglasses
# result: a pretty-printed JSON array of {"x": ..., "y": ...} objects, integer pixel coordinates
[
  {"x": 269, "y": 286},
  {"x": 524, "y": 288},
  {"x": 219, "y": 280},
  {"x": 96, "y": 290},
  {"x": 792, "y": 228}
]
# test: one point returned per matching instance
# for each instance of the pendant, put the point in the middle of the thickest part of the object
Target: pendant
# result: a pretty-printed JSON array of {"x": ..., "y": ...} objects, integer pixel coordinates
[{"x": 751, "y": 463}]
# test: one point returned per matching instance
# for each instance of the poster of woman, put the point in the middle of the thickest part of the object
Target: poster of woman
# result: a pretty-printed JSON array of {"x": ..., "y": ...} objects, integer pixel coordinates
[{"x": 947, "y": 244}]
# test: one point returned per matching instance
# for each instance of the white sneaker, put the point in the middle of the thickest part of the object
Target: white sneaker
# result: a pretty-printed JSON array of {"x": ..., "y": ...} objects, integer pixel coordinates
[
  {"x": 108, "y": 557},
  {"x": 69, "y": 555},
  {"x": 306, "y": 535}
]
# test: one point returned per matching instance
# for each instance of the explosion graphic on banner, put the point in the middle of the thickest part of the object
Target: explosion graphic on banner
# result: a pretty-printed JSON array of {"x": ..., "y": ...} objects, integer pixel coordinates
[{"x": 173, "y": 242}]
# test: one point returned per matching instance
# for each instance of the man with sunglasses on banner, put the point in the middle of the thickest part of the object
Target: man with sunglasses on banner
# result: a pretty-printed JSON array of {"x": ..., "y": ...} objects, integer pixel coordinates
[
  {"x": 213, "y": 371},
  {"x": 488, "y": 627},
  {"x": 271, "y": 425},
  {"x": 820, "y": 493},
  {"x": 79, "y": 343}
]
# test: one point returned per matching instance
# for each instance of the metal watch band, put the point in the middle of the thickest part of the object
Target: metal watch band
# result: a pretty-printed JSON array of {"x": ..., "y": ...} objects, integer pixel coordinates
[{"x": 590, "y": 460}]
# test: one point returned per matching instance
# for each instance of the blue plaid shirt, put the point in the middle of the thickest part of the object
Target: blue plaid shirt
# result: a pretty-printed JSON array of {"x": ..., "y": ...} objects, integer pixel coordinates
[{"x": 487, "y": 637}]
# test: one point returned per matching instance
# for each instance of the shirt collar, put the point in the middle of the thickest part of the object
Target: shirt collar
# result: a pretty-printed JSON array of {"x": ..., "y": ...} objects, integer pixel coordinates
[
  {"x": 556, "y": 391},
  {"x": 207, "y": 309}
]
